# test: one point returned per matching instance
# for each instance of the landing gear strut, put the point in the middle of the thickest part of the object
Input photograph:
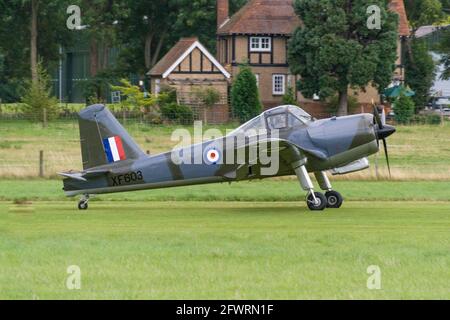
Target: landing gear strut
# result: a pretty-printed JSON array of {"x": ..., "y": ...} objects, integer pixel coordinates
[
  {"x": 83, "y": 203},
  {"x": 334, "y": 198}
]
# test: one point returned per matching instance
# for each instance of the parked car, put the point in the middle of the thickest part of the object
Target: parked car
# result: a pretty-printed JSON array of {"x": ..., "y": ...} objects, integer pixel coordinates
[{"x": 441, "y": 102}]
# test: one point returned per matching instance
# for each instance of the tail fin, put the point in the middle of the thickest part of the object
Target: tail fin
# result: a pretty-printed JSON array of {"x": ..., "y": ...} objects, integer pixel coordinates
[{"x": 103, "y": 139}]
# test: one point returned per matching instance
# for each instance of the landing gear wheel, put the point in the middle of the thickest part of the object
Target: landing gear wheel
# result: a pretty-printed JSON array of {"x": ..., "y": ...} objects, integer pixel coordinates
[
  {"x": 83, "y": 205},
  {"x": 316, "y": 205},
  {"x": 334, "y": 199}
]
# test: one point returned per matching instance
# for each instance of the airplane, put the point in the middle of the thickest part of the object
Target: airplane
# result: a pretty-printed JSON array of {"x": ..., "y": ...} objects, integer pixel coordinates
[{"x": 113, "y": 162}]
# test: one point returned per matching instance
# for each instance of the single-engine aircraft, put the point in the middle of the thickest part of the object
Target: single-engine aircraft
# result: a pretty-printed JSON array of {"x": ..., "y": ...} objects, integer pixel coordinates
[{"x": 113, "y": 162}]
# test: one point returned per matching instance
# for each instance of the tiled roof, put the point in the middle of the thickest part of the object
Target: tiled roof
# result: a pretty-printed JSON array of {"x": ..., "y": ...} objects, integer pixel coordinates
[
  {"x": 398, "y": 6},
  {"x": 171, "y": 57},
  {"x": 278, "y": 17},
  {"x": 178, "y": 53},
  {"x": 263, "y": 17}
]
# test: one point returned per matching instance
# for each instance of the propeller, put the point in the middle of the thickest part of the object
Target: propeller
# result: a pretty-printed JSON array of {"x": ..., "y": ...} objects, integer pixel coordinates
[{"x": 382, "y": 131}]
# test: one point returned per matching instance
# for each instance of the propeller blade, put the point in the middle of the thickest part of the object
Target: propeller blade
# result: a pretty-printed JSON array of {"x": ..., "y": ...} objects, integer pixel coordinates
[
  {"x": 377, "y": 117},
  {"x": 387, "y": 156}
]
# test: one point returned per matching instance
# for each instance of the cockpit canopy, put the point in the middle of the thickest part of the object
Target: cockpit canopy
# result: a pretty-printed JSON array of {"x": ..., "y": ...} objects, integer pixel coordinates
[{"x": 279, "y": 118}]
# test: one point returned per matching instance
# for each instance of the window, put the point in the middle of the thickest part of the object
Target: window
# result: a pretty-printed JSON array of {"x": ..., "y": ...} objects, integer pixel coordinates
[
  {"x": 278, "y": 84},
  {"x": 115, "y": 97},
  {"x": 277, "y": 122},
  {"x": 157, "y": 86},
  {"x": 258, "y": 44}
]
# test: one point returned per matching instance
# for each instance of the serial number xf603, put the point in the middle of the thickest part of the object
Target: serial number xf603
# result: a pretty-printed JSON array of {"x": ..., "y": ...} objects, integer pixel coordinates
[{"x": 126, "y": 178}]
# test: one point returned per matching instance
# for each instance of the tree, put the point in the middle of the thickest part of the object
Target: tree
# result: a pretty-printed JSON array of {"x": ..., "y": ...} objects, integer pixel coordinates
[
  {"x": 419, "y": 72},
  {"x": 39, "y": 105},
  {"x": 134, "y": 98},
  {"x": 245, "y": 96},
  {"x": 208, "y": 97},
  {"x": 423, "y": 12},
  {"x": 404, "y": 109},
  {"x": 151, "y": 28},
  {"x": 335, "y": 50},
  {"x": 445, "y": 48},
  {"x": 33, "y": 41},
  {"x": 36, "y": 29}
]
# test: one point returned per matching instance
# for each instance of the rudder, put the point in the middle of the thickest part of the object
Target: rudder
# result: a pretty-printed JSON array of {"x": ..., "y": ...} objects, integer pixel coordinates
[{"x": 103, "y": 139}]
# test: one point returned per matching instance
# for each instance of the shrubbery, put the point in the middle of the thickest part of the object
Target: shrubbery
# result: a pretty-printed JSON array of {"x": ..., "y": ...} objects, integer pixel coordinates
[
  {"x": 430, "y": 119},
  {"x": 404, "y": 109},
  {"x": 245, "y": 96},
  {"x": 177, "y": 113},
  {"x": 289, "y": 97}
]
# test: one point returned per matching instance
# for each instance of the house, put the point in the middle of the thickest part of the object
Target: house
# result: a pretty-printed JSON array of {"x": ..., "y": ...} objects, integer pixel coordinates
[
  {"x": 190, "y": 67},
  {"x": 258, "y": 34}
]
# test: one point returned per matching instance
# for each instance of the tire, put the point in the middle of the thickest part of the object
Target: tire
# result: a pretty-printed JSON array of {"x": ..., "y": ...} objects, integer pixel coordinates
[
  {"x": 82, "y": 205},
  {"x": 334, "y": 199},
  {"x": 321, "y": 202}
]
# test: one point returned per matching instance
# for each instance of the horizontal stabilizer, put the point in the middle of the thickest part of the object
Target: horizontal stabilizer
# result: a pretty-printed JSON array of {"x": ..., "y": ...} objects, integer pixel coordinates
[
  {"x": 81, "y": 176},
  {"x": 73, "y": 175}
]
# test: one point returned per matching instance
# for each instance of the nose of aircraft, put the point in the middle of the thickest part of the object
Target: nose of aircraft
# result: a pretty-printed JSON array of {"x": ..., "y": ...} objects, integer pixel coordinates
[{"x": 385, "y": 131}]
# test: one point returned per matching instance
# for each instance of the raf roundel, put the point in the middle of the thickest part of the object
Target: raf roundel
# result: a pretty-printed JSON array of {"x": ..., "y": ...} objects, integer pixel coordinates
[{"x": 212, "y": 156}]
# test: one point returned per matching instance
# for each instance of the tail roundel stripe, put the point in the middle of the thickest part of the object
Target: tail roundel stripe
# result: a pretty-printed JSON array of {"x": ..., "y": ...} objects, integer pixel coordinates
[
  {"x": 120, "y": 148},
  {"x": 114, "y": 149}
]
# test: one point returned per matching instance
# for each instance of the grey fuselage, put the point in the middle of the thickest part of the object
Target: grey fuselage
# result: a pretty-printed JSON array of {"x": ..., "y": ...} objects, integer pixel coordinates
[{"x": 324, "y": 144}]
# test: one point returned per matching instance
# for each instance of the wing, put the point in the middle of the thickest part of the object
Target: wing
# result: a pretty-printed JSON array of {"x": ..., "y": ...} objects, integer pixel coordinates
[{"x": 288, "y": 155}]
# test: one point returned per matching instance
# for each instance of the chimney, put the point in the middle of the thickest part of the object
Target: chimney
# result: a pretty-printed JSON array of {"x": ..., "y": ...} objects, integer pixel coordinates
[{"x": 222, "y": 12}]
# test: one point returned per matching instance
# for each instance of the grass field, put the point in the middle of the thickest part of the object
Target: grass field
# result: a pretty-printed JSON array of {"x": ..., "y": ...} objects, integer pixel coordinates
[
  {"x": 417, "y": 152},
  {"x": 140, "y": 245},
  {"x": 222, "y": 250}
]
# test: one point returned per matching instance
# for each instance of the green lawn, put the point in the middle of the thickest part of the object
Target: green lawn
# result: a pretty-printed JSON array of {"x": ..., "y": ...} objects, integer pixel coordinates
[
  {"x": 223, "y": 250},
  {"x": 265, "y": 190},
  {"x": 417, "y": 152}
]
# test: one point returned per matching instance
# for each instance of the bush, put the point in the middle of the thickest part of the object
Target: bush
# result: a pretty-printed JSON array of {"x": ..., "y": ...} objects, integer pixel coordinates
[
  {"x": 134, "y": 99},
  {"x": 177, "y": 113},
  {"x": 167, "y": 95},
  {"x": 289, "y": 97},
  {"x": 430, "y": 119},
  {"x": 404, "y": 109},
  {"x": 433, "y": 119},
  {"x": 38, "y": 100},
  {"x": 245, "y": 96}
]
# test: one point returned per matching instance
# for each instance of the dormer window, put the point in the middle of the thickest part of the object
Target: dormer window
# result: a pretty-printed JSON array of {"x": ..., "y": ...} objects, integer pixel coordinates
[{"x": 260, "y": 44}]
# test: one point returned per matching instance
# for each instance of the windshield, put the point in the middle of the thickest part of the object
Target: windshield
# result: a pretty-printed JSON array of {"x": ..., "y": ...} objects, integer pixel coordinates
[
  {"x": 300, "y": 114},
  {"x": 253, "y": 126}
]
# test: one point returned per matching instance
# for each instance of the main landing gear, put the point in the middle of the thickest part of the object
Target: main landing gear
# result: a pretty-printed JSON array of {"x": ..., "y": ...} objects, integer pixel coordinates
[
  {"x": 317, "y": 201},
  {"x": 83, "y": 203}
]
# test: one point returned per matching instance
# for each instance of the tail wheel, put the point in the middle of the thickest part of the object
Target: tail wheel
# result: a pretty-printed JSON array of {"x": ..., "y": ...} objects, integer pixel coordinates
[
  {"x": 318, "y": 204},
  {"x": 334, "y": 199}
]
